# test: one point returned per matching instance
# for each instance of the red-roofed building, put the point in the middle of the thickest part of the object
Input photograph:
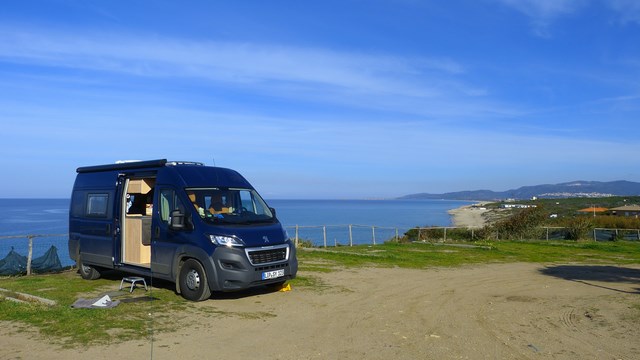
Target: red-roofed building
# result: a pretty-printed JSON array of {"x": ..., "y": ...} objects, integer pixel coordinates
[{"x": 593, "y": 210}]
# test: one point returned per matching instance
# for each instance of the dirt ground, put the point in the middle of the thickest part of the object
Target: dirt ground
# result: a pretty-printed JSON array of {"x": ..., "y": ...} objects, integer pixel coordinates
[{"x": 498, "y": 311}]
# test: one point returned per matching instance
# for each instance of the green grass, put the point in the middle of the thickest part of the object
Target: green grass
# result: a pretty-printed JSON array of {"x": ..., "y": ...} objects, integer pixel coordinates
[
  {"x": 71, "y": 327},
  {"x": 425, "y": 255},
  {"x": 60, "y": 324}
]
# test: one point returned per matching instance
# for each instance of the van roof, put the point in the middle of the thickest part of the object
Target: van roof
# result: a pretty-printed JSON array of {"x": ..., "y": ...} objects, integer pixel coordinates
[
  {"x": 189, "y": 174},
  {"x": 134, "y": 164}
]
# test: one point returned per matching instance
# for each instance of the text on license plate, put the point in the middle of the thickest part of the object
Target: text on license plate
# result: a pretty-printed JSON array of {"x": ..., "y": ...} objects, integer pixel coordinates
[{"x": 272, "y": 274}]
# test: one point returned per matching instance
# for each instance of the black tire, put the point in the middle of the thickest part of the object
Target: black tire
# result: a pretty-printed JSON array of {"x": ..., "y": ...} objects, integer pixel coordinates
[
  {"x": 87, "y": 272},
  {"x": 193, "y": 281}
]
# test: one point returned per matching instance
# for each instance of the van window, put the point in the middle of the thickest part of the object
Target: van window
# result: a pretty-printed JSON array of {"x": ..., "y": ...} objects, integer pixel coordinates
[
  {"x": 250, "y": 203},
  {"x": 169, "y": 202},
  {"x": 230, "y": 205},
  {"x": 97, "y": 205}
]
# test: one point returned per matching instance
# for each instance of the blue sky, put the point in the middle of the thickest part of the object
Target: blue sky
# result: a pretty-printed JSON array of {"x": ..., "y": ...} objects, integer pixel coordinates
[{"x": 326, "y": 99}]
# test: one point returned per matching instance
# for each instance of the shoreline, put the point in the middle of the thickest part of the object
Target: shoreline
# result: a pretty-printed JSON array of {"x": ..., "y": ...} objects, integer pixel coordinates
[{"x": 469, "y": 215}]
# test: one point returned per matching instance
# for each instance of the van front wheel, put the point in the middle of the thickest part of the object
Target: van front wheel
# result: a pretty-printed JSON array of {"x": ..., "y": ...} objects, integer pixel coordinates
[
  {"x": 193, "y": 281},
  {"x": 87, "y": 272}
]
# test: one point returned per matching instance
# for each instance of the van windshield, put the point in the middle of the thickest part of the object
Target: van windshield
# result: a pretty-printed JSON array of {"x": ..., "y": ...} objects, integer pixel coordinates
[{"x": 229, "y": 205}]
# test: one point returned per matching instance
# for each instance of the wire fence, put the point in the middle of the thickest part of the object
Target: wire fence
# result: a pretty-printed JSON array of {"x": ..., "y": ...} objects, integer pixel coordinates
[
  {"x": 352, "y": 234},
  {"x": 349, "y": 235},
  {"x": 341, "y": 235},
  {"x": 34, "y": 245}
]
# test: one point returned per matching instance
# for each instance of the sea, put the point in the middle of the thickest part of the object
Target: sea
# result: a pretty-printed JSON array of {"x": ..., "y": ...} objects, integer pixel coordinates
[{"x": 321, "y": 222}]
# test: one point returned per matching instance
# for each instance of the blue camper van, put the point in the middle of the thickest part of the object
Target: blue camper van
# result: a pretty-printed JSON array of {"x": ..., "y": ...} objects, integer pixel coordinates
[{"x": 204, "y": 228}]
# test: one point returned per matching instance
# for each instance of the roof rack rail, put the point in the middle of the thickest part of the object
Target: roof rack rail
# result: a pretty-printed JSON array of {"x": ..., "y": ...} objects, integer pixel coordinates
[
  {"x": 123, "y": 166},
  {"x": 174, "y": 163},
  {"x": 127, "y": 161}
]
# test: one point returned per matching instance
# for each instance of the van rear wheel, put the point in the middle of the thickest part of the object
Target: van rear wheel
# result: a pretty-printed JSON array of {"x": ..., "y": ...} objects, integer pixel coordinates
[
  {"x": 87, "y": 272},
  {"x": 193, "y": 281}
]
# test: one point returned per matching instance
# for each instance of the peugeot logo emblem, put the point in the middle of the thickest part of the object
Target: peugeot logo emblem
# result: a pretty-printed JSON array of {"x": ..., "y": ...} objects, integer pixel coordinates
[{"x": 266, "y": 239}]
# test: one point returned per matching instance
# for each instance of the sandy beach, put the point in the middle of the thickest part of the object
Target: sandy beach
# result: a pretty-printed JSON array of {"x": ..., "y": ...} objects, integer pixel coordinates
[
  {"x": 497, "y": 311},
  {"x": 472, "y": 216}
]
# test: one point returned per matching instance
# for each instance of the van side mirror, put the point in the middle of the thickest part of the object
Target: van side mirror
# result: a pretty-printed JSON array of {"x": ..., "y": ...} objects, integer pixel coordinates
[
  {"x": 273, "y": 211},
  {"x": 177, "y": 220}
]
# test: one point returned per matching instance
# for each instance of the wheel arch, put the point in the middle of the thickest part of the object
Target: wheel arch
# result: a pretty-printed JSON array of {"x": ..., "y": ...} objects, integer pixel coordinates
[{"x": 191, "y": 252}]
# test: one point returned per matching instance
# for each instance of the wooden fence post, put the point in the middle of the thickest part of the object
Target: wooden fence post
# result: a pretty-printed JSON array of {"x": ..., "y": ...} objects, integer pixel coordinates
[
  {"x": 30, "y": 254},
  {"x": 324, "y": 234},
  {"x": 373, "y": 234}
]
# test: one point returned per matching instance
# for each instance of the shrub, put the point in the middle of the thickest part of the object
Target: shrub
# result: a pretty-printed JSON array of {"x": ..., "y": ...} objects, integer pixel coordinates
[
  {"x": 305, "y": 243},
  {"x": 422, "y": 234},
  {"x": 438, "y": 233},
  {"x": 615, "y": 222},
  {"x": 578, "y": 228},
  {"x": 398, "y": 240},
  {"x": 461, "y": 234},
  {"x": 488, "y": 232},
  {"x": 523, "y": 224}
]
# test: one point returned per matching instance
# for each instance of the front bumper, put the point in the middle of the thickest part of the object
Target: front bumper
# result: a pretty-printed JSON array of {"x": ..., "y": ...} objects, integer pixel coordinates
[{"x": 232, "y": 269}]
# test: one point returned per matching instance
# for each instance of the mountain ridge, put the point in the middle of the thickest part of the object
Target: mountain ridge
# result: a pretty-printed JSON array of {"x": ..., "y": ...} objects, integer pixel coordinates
[{"x": 578, "y": 188}]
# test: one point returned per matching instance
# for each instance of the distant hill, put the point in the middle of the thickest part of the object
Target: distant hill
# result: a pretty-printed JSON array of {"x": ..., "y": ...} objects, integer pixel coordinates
[{"x": 564, "y": 190}]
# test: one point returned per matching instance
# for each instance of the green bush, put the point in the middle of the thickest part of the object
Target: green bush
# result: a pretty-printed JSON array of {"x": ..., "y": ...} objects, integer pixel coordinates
[
  {"x": 578, "y": 228},
  {"x": 415, "y": 234},
  {"x": 398, "y": 240},
  {"x": 460, "y": 234},
  {"x": 615, "y": 222},
  {"x": 486, "y": 233},
  {"x": 304, "y": 243},
  {"x": 522, "y": 225},
  {"x": 432, "y": 234}
]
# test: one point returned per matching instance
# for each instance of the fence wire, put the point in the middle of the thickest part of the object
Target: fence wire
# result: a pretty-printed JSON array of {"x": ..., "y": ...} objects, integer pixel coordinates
[
  {"x": 349, "y": 235},
  {"x": 34, "y": 245}
]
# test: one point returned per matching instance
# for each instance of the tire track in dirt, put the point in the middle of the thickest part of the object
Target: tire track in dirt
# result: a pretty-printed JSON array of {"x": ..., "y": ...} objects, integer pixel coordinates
[{"x": 496, "y": 311}]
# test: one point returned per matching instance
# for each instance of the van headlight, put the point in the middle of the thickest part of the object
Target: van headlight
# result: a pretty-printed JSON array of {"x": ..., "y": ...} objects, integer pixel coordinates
[{"x": 226, "y": 240}]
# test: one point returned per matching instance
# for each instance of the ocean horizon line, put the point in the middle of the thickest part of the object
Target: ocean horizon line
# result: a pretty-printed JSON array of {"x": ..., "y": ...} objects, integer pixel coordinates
[{"x": 279, "y": 199}]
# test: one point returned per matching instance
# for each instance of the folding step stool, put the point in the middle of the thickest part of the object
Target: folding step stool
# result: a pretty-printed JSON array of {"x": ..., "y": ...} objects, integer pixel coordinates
[{"x": 133, "y": 280}]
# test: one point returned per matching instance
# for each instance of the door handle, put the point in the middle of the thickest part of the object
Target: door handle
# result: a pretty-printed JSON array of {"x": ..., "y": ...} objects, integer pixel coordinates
[{"x": 156, "y": 233}]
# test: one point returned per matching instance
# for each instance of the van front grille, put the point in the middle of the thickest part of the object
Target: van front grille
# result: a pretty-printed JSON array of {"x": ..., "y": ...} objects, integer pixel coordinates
[{"x": 267, "y": 256}]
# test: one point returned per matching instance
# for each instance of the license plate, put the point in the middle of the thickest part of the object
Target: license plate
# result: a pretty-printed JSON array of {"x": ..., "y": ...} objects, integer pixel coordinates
[{"x": 272, "y": 274}]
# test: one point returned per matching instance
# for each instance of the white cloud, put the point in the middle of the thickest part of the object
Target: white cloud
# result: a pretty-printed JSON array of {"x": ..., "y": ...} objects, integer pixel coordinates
[
  {"x": 236, "y": 63},
  {"x": 628, "y": 10},
  {"x": 425, "y": 86},
  {"x": 543, "y": 12},
  {"x": 545, "y": 9}
]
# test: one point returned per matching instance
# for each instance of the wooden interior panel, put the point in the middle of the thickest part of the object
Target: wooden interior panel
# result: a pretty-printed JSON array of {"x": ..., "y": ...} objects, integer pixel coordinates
[
  {"x": 137, "y": 228},
  {"x": 140, "y": 186}
]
